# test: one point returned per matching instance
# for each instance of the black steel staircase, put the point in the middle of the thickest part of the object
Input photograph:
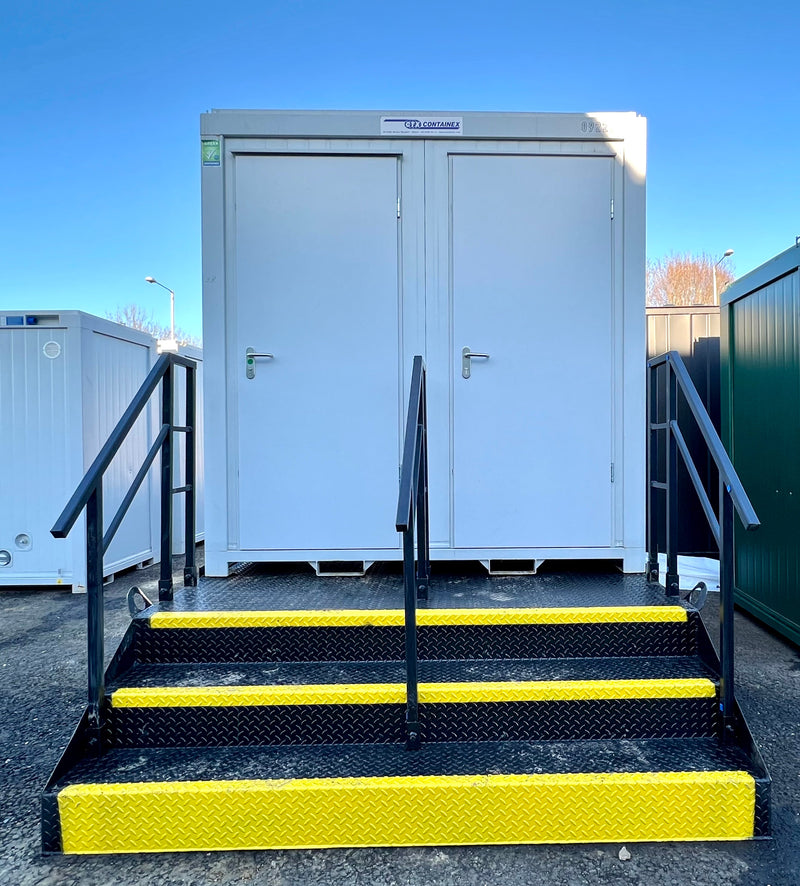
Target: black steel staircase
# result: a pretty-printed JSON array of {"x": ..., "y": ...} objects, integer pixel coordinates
[{"x": 265, "y": 711}]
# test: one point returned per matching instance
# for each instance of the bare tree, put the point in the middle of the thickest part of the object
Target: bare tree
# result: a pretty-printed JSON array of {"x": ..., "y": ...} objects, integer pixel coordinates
[
  {"x": 685, "y": 280},
  {"x": 137, "y": 318}
]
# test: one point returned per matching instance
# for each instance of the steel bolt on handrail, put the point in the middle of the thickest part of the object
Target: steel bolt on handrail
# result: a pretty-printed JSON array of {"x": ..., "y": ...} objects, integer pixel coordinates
[
  {"x": 412, "y": 509},
  {"x": 89, "y": 496},
  {"x": 732, "y": 496}
]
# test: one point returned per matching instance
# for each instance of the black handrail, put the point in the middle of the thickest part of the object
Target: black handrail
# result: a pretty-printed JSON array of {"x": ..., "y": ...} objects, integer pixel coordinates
[
  {"x": 412, "y": 506},
  {"x": 89, "y": 496},
  {"x": 732, "y": 496}
]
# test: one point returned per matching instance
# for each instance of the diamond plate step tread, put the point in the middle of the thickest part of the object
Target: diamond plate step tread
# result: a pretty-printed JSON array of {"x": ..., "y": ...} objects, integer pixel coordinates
[
  {"x": 441, "y": 642},
  {"x": 481, "y": 670},
  {"x": 412, "y": 811},
  {"x": 268, "y": 586},
  {"x": 385, "y": 723},
  {"x": 447, "y": 758},
  {"x": 514, "y": 792}
]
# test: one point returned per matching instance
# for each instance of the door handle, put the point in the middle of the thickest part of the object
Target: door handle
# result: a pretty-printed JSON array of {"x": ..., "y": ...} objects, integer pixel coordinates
[
  {"x": 250, "y": 361},
  {"x": 466, "y": 356}
]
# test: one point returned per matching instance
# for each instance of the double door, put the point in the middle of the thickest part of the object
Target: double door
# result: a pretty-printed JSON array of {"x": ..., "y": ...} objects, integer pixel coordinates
[{"x": 350, "y": 260}]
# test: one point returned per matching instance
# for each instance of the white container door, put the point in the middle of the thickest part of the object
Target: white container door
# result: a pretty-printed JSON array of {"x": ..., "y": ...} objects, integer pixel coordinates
[
  {"x": 531, "y": 286},
  {"x": 317, "y": 273},
  {"x": 38, "y": 435}
]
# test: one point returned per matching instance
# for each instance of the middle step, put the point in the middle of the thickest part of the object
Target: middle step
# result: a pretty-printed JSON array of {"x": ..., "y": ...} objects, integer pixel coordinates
[{"x": 323, "y": 703}]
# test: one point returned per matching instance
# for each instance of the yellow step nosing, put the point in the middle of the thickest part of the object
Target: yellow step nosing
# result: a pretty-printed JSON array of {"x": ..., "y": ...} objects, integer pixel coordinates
[
  {"x": 395, "y": 693},
  {"x": 407, "y": 811},
  {"x": 425, "y": 617}
]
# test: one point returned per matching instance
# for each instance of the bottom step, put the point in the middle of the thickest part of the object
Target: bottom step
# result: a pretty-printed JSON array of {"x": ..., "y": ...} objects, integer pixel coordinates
[{"x": 512, "y": 792}]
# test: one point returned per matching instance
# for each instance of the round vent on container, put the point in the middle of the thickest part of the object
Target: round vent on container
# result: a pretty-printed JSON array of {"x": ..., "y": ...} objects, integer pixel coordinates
[
  {"x": 52, "y": 349},
  {"x": 23, "y": 541}
]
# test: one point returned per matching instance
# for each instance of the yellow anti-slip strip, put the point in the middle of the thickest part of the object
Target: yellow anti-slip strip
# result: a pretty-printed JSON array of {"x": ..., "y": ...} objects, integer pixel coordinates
[
  {"x": 395, "y": 693},
  {"x": 406, "y": 811},
  {"x": 350, "y": 618}
]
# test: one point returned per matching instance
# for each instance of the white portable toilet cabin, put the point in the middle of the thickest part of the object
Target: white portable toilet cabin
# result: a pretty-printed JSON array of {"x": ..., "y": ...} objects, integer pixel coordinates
[
  {"x": 337, "y": 245},
  {"x": 66, "y": 377},
  {"x": 179, "y": 460}
]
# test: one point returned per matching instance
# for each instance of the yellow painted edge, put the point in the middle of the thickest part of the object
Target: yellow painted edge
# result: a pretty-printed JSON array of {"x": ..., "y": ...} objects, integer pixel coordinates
[
  {"x": 395, "y": 693},
  {"x": 395, "y": 617},
  {"x": 406, "y": 811}
]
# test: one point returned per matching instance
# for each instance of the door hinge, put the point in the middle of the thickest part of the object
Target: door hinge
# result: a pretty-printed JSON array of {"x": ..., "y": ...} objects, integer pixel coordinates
[
  {"x": 612, "y": 471},
  {"x": 398, "y": 207},
  {"x": 612, "y": 207}
]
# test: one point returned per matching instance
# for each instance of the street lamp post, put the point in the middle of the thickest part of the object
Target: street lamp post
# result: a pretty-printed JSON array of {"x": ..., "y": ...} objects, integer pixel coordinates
[
  {"x": 714, "y": 272},
  {"x": 172, "y": 304}
]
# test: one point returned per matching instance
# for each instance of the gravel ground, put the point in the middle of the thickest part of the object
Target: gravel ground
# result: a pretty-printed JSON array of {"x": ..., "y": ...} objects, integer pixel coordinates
[{"x": 42, "y": 674}]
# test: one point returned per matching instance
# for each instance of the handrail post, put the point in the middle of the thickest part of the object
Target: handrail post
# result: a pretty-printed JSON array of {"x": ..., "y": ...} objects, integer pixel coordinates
[
  {"x": 190, "y": 533},
  {"x": 165, "y": 581},
  {"x": 732, "y": 498},
  {"x": 412, "y": 691},
  {"x": 652, "y": 464},
  {"x": 412, "y": 506},
  {"x": 672, "y": 582},
  {"x": 95, "y": 613},
  {"x": 726, "y": 584},
  {"x": 423, "y": 525}
]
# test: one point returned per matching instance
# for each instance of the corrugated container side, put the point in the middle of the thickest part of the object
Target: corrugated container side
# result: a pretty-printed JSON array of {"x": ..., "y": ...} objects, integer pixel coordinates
[
  {"x": 66, "y": 377},
  {"x": 692, "y": 331},
  {"x": 765, "y": 444}
]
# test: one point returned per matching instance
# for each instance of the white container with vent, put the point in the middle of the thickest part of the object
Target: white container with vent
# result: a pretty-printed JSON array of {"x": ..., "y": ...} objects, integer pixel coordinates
[
  {"x": 508, "y": 250},
  {"x": 65, "y": 379}
]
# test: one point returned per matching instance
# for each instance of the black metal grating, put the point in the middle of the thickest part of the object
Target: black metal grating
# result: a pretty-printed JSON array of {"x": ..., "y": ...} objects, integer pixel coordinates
[
  {"x": 450, "y": 642},
  {"x": 763, "y": 822},
  {"x": 384, "y": 723},
  {"x": 262, "y": 725},
  {"x": 51, "y": 823}
]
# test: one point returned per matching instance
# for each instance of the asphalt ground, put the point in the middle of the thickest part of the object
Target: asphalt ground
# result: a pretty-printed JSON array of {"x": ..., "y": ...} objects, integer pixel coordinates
[{"x": 42, "y": 692}]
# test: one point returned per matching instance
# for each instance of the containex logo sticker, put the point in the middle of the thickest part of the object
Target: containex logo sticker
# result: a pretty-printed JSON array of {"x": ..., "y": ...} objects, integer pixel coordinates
[{"x": 422, "y": 125}]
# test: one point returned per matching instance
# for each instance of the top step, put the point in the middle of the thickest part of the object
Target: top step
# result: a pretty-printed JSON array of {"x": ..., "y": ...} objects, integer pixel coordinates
[
  {"x": 443, "y": 634},
  {"x": 258, "y": 615}
]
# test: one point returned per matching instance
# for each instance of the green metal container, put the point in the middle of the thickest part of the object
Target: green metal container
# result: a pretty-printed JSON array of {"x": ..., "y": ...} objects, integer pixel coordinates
[{"x": 760, "y": 376}]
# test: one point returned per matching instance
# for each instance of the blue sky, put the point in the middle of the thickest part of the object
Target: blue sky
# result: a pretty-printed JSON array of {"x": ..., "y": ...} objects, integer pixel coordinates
[{"x": 101, "y": 105}]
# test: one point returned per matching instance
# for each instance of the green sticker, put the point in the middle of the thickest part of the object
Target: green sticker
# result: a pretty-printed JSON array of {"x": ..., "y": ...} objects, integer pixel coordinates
[{"x": 210, "y": 151}]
